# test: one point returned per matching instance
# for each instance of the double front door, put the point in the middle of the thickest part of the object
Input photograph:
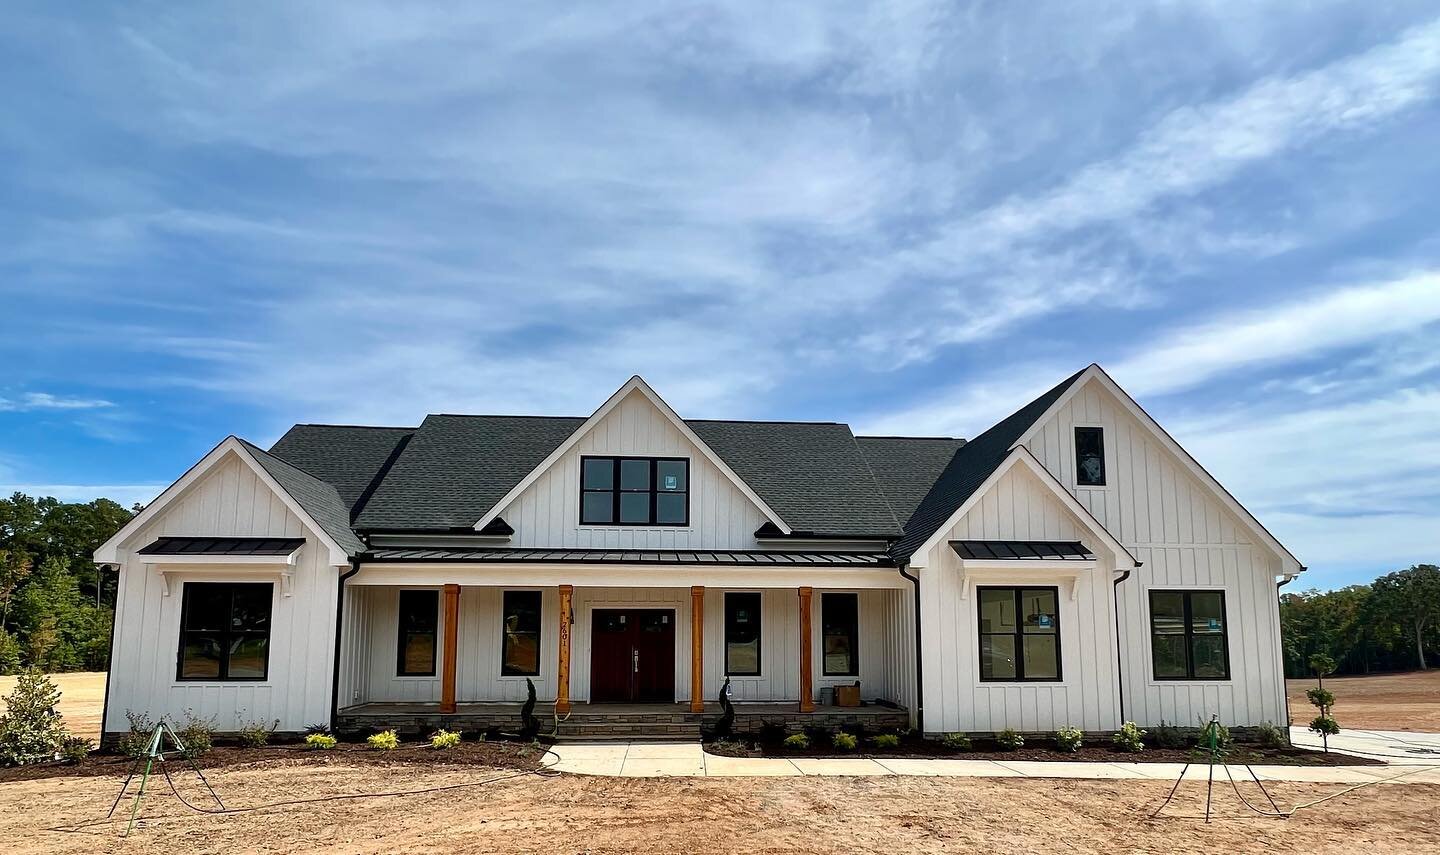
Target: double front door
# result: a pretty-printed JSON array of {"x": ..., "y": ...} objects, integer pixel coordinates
[{"x": 632, "y": 656}]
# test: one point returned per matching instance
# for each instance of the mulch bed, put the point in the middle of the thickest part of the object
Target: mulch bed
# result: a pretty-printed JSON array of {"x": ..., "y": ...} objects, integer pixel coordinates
[
  {"x": 987, "y": 749},
  {"x": 498, "y": 754}
]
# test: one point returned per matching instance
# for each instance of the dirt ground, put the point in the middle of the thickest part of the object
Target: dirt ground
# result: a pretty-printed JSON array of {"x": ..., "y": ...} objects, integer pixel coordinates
[
  {"x": 575, "y": 814},
  {"x": 1409, "y": 701},
  {"x": 82, "y": 694}
]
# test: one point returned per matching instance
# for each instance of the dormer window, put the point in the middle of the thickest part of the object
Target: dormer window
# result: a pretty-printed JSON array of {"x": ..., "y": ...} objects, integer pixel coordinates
[
  {"x": 1089, "y": 457},
  {"x": 634, "y": 491}
]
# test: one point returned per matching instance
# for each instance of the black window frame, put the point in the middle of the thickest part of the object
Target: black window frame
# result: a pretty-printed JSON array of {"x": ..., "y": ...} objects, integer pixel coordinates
[
  {"x": 401, "y": 632},
  {"x": 854, "y": 633},
  {"x": 1100, "y": 440},
  {"x": 759, "y": 609},
  {"x": 1187, "y": 612},
  {"x": 1019, "y": 635},
  {"x": 505, "y": 635},
  {"x": 187, "y": 590},
  {"x": 616, "y": 491}
]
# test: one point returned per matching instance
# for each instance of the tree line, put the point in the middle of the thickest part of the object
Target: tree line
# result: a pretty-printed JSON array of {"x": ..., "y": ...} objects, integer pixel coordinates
[
  {"x": 55, "y": 604},
  {"x": 1391, "y": 624}
]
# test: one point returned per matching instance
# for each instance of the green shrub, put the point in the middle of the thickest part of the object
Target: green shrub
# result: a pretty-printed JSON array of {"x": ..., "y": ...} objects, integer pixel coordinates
[
  {"x": 1324, "y": 725},
  {"x": 956, "y": 741},
  {"x": 256, "y": 734},
  {"x": 1223, "y": 741},
  {"x": 1009, "y": 740},
  {"x": 136, "y": 740},
  {"x": 798, "y": 741},
  {"x": 1069, "y": 739},
  {"x": 844, "y": 741},
  {"x": 1270, "y": 736},
  {"x": 1129, "y": 737},
  {"x": 73, "y": 749},
  {"x": 385, "y": 740},
  {"x": 320, "y": 741},
  {"x": 9, "y": 654},
  {"x": 197, "y": 736},
  {"x": 31, "y": 729},
  {"x": 1320, "y": 697},
  {"x": 886, "y": 740},
  {"x": 772, "y": 732},
  {"x": 444, "y": 739},
  {"x": 1167, "y": 736}
]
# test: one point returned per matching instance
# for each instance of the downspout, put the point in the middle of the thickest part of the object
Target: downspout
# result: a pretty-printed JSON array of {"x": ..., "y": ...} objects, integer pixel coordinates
[
  {"x": 109, "y": 651},
  {"x": 339, "y": 630},
  {"x": 1280, "y": 631},
  {"x": 919, "y": 660},
  {"x": 1119, "y": 654}
]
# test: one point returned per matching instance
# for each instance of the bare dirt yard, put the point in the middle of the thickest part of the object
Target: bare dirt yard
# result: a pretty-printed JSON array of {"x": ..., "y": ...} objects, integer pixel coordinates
[
  {"x": 1409, "y": 701},
  {"x": 82, "y": 696},
  {"x": 573, "y": 814}
]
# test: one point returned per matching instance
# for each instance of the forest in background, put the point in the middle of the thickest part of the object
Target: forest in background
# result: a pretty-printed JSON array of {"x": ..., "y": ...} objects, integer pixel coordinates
[{"x": 56, "y": 605}]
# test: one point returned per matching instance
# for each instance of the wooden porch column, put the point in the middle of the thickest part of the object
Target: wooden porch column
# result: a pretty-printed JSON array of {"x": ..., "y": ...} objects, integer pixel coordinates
[
  {"x": 562, "y": 671},
  {"x": 697, "y": 649},
  {"x": 452, "y": 632},
  {"x": 807, "y": 687}
]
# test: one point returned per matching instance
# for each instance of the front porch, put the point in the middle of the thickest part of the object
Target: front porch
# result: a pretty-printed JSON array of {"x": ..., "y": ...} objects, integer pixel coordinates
[{"x": 615, "y": 720}]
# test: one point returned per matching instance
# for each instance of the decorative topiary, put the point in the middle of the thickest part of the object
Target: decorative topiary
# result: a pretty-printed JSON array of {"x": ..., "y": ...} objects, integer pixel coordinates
[
  {"x": 1069, "y": 739},
  {"x": 1009, "y": 740},
  {"x": 1322, "y": 698}
]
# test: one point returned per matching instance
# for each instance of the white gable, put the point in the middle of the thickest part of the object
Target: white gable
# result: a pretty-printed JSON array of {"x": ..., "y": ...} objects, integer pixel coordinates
[{"x": 546, "y": 512}]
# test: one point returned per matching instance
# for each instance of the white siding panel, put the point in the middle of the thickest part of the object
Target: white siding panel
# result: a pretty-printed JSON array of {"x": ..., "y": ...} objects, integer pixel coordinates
[{"x": 229, "y": 501}]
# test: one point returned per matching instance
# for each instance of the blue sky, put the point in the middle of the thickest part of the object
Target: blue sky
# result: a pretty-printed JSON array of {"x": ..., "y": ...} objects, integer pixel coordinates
[{"x": 912, "y": 218}]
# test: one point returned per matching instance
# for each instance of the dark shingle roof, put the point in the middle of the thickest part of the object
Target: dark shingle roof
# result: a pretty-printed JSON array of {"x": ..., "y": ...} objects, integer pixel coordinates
[
  {"x": 811, "y": 474},
  {"x": 455, "y": 468},
  {"x": 906, "y": 467},
  {"x": 348, "y": 457},
  {"x": 319, "y": 499},
  {"x": 972, "y": 464}
]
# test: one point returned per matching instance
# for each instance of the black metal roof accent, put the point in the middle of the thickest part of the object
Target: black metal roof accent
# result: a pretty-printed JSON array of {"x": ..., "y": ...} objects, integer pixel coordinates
[
  {"x": 224, "y": 546},
  {"x": 722, "y": 557},
  {"x": 1015, "y": 550},
  {"x": 498, "y": 527}
]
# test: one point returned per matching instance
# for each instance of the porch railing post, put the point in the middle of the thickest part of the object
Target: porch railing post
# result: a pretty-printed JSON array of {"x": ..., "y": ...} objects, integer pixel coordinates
[
  {"x": 807, "y": 688},
  {"x": 452, "y": 632},
  {"x": 697, "y": 649},
  {"x": 562, "y": 671}
]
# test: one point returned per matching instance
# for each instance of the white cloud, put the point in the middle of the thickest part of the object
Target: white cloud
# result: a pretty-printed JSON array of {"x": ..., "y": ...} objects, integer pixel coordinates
[{"x": 31, "y": 401}]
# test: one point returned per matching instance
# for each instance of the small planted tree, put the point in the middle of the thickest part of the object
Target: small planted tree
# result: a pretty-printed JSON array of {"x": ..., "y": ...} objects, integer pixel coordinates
[
  {"x": 31, "y": 730},
  {"x": 1324, "y": 723}
]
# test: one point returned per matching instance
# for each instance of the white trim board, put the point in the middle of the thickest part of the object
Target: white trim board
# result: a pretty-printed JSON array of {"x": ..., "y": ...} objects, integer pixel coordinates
[{"x": 634, "y": 384}]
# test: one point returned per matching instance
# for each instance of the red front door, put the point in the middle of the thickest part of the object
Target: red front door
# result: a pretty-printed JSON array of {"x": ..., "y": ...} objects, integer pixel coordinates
[{"x": 632, "y": 656}]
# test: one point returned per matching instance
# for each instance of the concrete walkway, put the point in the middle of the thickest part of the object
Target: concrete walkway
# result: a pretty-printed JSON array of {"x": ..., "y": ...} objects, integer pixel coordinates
[{"x": 688, "y": 759}]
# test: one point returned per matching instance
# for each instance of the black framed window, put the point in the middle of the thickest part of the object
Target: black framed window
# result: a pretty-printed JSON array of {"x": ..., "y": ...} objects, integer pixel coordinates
[
  {"x": 225, "y": 631},
  {"x": 1019, "y": 634},
  {"x": 520, "y": 654},
  {"x": 1188, "y": 635},
  {"x": 840, "y": 634},
  {"x": 1090, "y": 456},
  {"x": 418, "y": 625},
  {"x": 742, "y": 634},
  {"x": 634, "y": 491}
]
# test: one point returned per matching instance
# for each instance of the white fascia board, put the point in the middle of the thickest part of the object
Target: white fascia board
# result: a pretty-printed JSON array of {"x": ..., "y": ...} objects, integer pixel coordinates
[
  {"x": 1053, "y": 565},
  {"x": 633, "y": 384},
  {"x": 1290, "y": 563},
  {"x": 108, "y": 553},
  {"x": 221, "y": 560},
  {"x": 626, "y": 576},
  {"x": 1021, "y": 456}
]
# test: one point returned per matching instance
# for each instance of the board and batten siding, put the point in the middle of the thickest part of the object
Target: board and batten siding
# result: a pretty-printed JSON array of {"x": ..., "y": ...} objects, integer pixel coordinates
[
  {"x": 547, "y": 513},
  {"x": 1185, "y": 539},
  {"x": 232, "y": 501},
  {"x": 1017, "y": 507}
]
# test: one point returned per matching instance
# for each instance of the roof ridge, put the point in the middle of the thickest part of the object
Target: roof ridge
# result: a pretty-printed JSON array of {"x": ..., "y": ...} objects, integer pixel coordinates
[
  {"x": 769, "y": 422},
  {"x": 903, "y": 436},
  {"x": 353, "y": 427}
]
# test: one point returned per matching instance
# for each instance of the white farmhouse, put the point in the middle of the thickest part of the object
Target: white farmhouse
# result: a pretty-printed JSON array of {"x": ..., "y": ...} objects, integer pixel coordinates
[{"x": 1072, "y": 565}]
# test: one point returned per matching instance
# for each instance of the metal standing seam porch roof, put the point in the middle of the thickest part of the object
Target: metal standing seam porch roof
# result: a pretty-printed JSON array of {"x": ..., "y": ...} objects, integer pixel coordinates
[
  {"x": 224, "y": 546},
  {"x": 1021, "y": 550},
  {"x": 689, "y": 557}
]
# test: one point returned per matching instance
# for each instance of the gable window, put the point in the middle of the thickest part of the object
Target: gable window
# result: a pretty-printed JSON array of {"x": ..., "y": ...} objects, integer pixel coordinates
[
  {"x": 225, "y": 631},
  {"x": 840, "y": 631},
  {"x": 634, "y": 491},
  {"x": 742, "y": 634},
  {"x": 520, "y": 656},
  {"x": 1188, "y": 637},
  {"x": 1019, "y": 634},
  {"x": 419, "y": 619},
  {"x": 1090, "y": 457}
]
